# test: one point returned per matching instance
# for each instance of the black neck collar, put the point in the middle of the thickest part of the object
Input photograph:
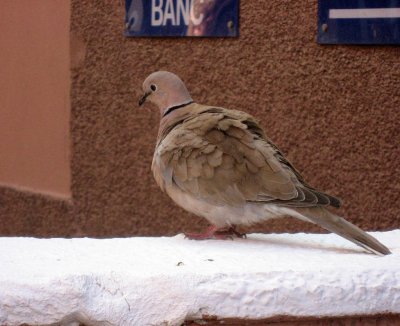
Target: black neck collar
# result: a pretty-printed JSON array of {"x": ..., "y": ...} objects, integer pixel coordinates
[{"x": 176, "y": 107}]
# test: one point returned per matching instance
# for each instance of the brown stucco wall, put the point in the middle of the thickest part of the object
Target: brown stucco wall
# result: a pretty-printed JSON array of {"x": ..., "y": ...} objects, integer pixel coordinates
[
  {"x": 380, "y": 320},
  {"x": 334, "y": 110}
]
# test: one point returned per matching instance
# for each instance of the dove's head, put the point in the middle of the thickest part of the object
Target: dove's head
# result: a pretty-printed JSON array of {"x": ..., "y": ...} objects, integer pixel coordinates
[{"x": 166, "y": 90}]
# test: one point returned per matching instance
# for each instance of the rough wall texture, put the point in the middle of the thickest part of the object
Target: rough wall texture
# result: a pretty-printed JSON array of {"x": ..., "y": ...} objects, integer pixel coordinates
[
  {"x": 334, "y": 110},
  {"x": 384, "y": 320}
]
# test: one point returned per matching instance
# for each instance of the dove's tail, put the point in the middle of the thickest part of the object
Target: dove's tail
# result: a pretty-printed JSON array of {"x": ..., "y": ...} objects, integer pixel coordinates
[{"x": 340, "y": 226}]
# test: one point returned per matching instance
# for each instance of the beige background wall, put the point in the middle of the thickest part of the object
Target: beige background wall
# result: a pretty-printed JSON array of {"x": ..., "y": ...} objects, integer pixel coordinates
[
  {"x": 34, "y": 96},
  {"x": 334, "y": 110}
]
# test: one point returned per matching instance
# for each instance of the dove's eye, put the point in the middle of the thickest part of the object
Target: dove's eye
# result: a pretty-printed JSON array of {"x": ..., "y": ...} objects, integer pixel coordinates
[{"x": 153, "y": 87}]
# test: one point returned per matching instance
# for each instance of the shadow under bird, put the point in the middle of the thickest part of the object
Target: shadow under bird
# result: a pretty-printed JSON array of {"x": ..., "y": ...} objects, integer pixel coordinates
[{"x": 219, "y": 164}]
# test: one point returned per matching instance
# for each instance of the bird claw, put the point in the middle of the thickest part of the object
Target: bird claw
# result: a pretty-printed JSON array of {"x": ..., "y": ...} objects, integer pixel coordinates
[
  {"x": 237, "y": 233},
  {"x": 217, "y": 234}
]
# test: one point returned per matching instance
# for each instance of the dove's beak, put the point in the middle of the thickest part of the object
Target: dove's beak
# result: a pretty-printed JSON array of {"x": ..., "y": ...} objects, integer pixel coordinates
[{"x": 143, "y": 98}]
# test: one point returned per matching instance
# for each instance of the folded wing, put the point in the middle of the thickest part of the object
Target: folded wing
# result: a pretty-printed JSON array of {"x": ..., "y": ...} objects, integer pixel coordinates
[{"x": 225, "y": 158}]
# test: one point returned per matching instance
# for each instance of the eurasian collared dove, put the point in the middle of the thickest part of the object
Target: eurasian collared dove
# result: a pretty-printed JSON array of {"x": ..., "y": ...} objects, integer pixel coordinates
[{"x": 219, "y": 164}]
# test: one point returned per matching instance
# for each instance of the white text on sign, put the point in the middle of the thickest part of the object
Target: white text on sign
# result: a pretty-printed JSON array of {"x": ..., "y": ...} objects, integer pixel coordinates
[{"x": 165, "y": 12}]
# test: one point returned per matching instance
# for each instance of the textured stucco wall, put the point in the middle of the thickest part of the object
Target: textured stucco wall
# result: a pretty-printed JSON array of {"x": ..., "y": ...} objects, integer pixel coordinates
[
  {"x": 334, "y": 111},
  {"x": 385, "y": 320}
]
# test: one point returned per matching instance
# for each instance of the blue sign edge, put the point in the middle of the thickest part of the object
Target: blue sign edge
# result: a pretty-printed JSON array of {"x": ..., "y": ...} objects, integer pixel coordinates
[
  {"x": 324, "y": 38},
  {"x": 126, "y": 33}
]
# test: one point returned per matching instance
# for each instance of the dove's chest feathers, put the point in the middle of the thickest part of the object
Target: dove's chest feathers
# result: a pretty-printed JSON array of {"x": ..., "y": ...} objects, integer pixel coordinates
[
  {"x": 181, "y": 143},
  {"x": 176, "y": 141},
  {"x": 161, "y": 171}
]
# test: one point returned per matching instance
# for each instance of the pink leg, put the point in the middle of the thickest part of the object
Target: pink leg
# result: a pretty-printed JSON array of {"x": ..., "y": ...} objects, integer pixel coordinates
[{"x": 213, "y": 232}]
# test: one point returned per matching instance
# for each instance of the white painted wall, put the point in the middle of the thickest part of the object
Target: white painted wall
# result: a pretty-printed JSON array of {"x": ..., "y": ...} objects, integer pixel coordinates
[{"x": 163, "y": 281}]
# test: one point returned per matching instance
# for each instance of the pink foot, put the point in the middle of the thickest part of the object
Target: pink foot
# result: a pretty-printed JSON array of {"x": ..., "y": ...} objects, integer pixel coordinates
[{"x": 213, "y": 232}]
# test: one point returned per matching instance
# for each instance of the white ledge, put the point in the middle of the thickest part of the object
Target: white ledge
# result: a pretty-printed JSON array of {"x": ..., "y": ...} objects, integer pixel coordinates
[{"x": 163, "y": 281}]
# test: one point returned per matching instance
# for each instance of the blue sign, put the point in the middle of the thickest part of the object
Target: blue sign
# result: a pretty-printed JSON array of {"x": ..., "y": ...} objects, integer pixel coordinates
[
  {"x": 359, "y": 21},
  {"x": 182, "y": 18}
]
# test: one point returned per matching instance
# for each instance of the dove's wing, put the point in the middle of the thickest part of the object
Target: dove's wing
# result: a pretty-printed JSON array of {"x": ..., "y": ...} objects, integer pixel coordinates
[{"x": 223, "y": 157}]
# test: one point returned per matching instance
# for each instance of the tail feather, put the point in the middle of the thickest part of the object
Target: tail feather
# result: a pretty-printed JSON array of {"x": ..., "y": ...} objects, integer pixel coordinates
[{"x": 345, "y": 229}]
